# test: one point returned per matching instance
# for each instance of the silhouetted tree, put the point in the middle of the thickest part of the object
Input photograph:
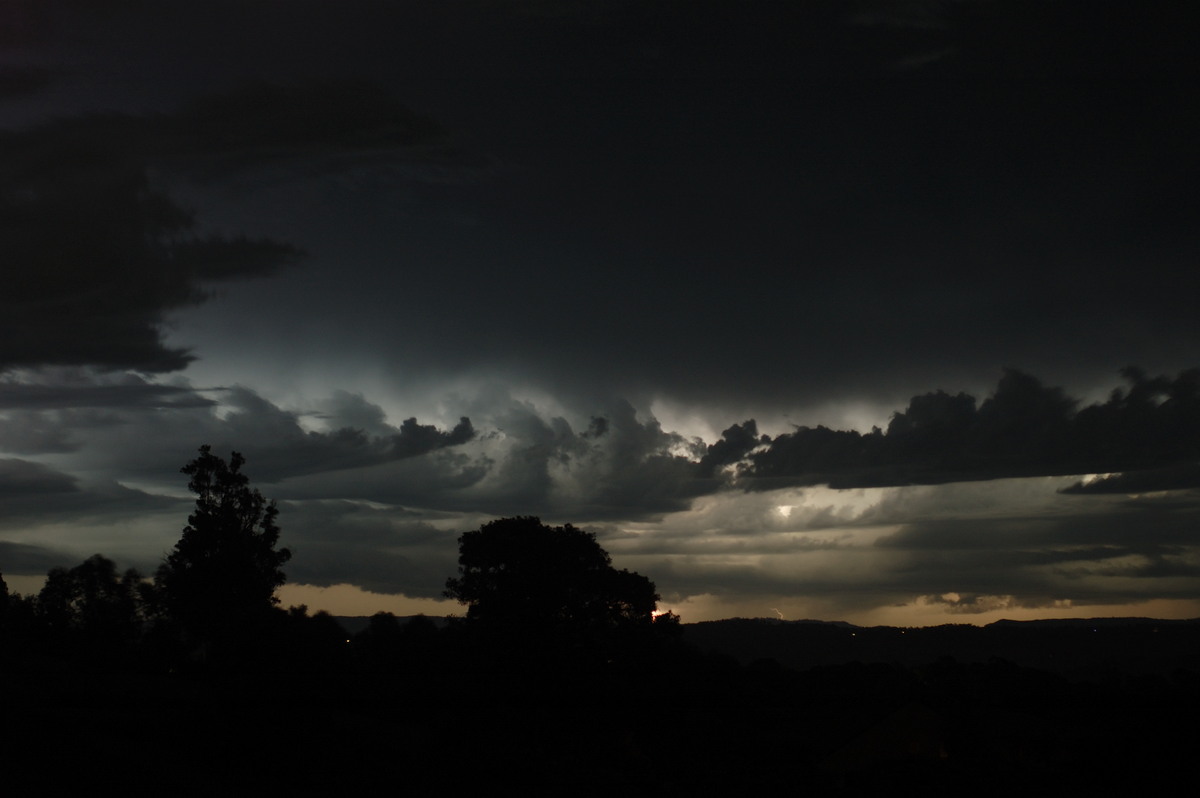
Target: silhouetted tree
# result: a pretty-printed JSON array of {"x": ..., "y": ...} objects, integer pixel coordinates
[
  {"x": 93, "y": 602},
  {"x": 379, "y": 646},
  {"x": 387, "y": 645},
  {"x": 306, "y": 645},
  {"x": 518, "y": 573},
  {"x": 19, "y": 627},
  {"x": 222, "y": 575}
]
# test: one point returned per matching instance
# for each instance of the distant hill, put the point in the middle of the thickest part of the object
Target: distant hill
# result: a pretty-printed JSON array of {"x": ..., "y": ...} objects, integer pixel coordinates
[
  {"x": 353, "y": 624},
  {"x": 1078, "y": 647}
]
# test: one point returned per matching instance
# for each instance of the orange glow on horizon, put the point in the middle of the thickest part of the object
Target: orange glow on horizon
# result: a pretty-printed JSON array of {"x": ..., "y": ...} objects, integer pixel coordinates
[{"x": 349, "y": 600}]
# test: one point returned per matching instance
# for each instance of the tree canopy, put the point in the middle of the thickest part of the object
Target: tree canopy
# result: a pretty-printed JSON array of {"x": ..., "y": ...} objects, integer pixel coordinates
[
  {"x": 520, "y": 573},
  {"x": 225, "y": 568},
  {"x": 93, "y": 599}
]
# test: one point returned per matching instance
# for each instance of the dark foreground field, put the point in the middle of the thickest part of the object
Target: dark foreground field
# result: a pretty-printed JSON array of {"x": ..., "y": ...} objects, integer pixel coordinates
[{"x": 816, "y": 709}]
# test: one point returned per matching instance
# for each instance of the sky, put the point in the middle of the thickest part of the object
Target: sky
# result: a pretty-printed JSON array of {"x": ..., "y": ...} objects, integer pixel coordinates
[{"x": 871, "y": 311}]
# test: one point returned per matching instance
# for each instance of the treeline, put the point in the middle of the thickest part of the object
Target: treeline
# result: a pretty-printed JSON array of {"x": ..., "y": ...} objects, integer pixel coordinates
[
  {"x": 1023, "y": 429},
  {"x": 535, "y": 594},
  {"x": 94, "y": 618}
]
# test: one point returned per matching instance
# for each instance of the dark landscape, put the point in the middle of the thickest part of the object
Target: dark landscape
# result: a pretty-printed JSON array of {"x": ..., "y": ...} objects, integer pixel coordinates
[
  {"x": 581, "y": 349},
  {"x": 559, "y": 679},
  {"x": 1074, "y": 708}
]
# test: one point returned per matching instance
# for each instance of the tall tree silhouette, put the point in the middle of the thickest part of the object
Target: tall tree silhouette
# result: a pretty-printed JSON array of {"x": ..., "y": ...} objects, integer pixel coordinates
[{"x": 222, "y": 575}]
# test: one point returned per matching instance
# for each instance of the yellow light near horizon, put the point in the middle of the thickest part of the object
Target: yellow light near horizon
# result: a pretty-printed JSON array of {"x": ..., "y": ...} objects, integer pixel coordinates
[
  {"x": 919, "y": 613},
  {"x": 352, "y": 601}
]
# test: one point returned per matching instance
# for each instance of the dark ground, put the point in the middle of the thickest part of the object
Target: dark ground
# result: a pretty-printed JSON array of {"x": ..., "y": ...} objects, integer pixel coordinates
[{"x": 741, "y": 707}]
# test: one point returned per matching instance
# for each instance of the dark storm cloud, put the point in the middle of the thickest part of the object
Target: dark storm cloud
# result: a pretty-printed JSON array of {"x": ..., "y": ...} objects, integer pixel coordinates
[
  {"x": 282, "y": 448},
  {"x": 126, "y": 391},
  {"x": 264, "y": 122},
  {"x": 882, "y": 228},
  {"x": 760, "y": 540},
  {"x": 968, "y": 548},
  {"x": 620, "y": 465},
  {"x": 146, "y": 430},
  {"x": 414, "y": 439},
  {"x": 20, "y": 478},
  {"x": 525, "y": 460},
  {"x": 1155, "y": 479},
  {"x": 1151, "y": 546},
  {"x": 17, "y": 81},
  {"x": 1023, "y": 429},
  {"x": 26, "y": 558},
  {"x": 440, "y": 481},
  {"x": 380, "y": 549},
  {"x": 41, "y": 432},
  {"x": 635, "y": 466},
  {"x": 96, "y": 253},
  {"x": 33, "y": 494},
  {"x": 94, "y": 256},
  {"x": 57, "y": 410},
  {"x": 30, "y": 22},
  {"x": 1142, "y": 526},
  {"x": 877, "y": 228},
  {"x": 278, "y": 447},
  {"x": 735, "y": 444},
  {"x": 927, "y": 15}
]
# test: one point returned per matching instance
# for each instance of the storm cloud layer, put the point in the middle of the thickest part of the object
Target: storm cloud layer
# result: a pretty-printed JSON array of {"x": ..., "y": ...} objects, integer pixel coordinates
[{"x": 823, "y": 307}]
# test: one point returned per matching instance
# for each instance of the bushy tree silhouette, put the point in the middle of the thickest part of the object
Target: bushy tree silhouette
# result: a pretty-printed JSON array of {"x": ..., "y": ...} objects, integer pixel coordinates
[
  {"x": 221, "y": 577},
  {"x": 93, "y": 600},
  {"x": 518, "y": 573}
]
